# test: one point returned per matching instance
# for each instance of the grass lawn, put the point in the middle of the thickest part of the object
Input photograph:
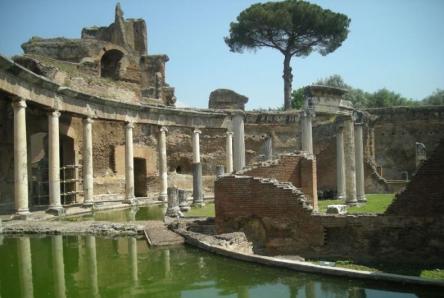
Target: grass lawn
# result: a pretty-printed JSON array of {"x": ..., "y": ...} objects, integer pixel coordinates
[
  {"x": 376, "y": 203},
  {"x": 205, "y": 211}
]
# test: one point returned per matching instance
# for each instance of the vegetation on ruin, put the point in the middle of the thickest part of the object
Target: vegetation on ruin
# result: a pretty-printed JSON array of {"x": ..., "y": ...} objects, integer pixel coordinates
[
  {"x": 376, "y": 203},
  {"x": 362, "y": 99},
  {"x": 294, "y": 28}
]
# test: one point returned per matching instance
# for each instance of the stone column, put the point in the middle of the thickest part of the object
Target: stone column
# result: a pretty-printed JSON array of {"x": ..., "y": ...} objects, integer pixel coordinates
[
  {"x": 306, "y": 132},
  {"x": 163, "y": 170},
  {"x": 350, "y": 166},
  {"x": 173, "y": 209},
  {"x": 359, "y": 160},
  {"x": 88, "y": 179},
  {"x": 229, "y": 152},
  {"x": 197, "y": 170},
  {"x": 25, "y": 267},
  {"x": 340, "y": 162},
  {"x": 58, "y": 266},
  {"x": 20, "y": 158},
  {"x": 268, "y": 148},
  {"x": 55, "y": 205},
  {"x": 129, "y": 164},
  {"x": 238, "y": 142}
]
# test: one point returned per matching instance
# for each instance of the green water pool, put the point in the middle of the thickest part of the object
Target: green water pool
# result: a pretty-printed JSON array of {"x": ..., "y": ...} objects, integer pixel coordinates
[
  {"x": 86, "y": 266},
  {"x": 149, "y": 212}
]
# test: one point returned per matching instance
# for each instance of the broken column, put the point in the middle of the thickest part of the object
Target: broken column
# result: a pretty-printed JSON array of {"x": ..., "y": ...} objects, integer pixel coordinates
[
  {"x": 55, "y": 205},
  {"x": 340, "y": 162},
  {"x": 88, "y": 179},
  {"x": 173, "y": 209},
  {"x": 197, "y": 170},
  {"x": 239, "y": 141},
  {"x": 268, "y": 148},
  {"x": 163, "y": 170},
  {"x": 359, "y": 160},
  {"x": 229, "y": 152},
  {"x": 349, "y": 158},
  {"x": 20, "y": 158},
  {"x": 129, "y": 164}
]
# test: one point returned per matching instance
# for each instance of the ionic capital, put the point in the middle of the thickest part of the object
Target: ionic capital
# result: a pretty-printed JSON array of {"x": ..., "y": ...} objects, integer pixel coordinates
[
  {"x": 18, "y": 103},
  {"x": 129, "y": 124},
  {"x": 54, "y": 113},
  {"x": 229, "y": 133},
  {"x": 88, "y": 120},
  {"x": 197, "y": 131},
  {"x": 163, "y": 129}
]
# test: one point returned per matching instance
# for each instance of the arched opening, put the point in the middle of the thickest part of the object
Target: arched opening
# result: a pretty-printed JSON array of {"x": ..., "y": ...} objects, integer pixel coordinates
[
  {"x": 140, "y": 181},
  {"x": 39, "y": 169},
  {"x": 110, "y": 64}
]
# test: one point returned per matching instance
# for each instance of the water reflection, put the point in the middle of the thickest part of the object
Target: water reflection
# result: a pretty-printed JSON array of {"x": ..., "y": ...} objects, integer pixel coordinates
[{"x": 95, "y": 267}]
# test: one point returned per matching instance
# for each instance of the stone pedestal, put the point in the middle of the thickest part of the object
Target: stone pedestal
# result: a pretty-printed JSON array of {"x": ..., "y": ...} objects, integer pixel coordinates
[
  {"x": 173, "y": 209},
  {"x": 238, "y": 142},
  {"x": 129, "y": 164},
  {"x": 163, "y": 170},
  {"x": 340, "y": 162},
  {"x": 197, "y": 170},
  {"x": 88, "y": 179},
  {"x": 306, "y": 132},
  {"x": 359, "y": 159},
  {"x": 350, "y": 165},
  {"x": 20, "y": 159},
  {"x": 229, "y": 152}
]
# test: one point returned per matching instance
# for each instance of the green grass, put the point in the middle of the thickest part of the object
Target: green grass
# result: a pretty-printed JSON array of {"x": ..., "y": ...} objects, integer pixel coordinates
[
  {"x": 205, "y": 211},
  {"x": 376, "y": 203}
]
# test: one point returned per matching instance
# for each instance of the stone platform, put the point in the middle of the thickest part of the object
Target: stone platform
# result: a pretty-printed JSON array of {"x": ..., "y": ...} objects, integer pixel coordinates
[{"x": 157, "y": 234}]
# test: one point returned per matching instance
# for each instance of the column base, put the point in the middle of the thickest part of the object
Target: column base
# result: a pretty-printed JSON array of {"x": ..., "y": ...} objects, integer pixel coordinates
[
  {"x": 362, "y": 200},
  {"x": 130, "y": 201},
  {"x": 352, "y": 202},
  {"x": 56, "y": 211},
  {"x": 163, "y": 197},
  {"x": 21, "y": 214},
  {"x": 198, "y": 204},
  {"x": 340, "y": 197},
  {"x": 88, "y": 204},
  {"x": 173, "y": 212}
]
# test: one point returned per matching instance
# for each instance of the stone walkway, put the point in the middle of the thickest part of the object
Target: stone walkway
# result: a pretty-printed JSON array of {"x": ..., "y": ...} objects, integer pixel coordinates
[{"x": 157, "y": 234}]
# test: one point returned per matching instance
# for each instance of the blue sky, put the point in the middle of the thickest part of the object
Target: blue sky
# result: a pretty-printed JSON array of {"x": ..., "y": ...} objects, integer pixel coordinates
[{"x": 397, "y": 44}]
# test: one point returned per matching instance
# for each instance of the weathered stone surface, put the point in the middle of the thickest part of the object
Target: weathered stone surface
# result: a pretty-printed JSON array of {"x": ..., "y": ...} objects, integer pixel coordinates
[
  {"x": 337, "y": 209},
  {"x": 157, "y": 234},
  {"x": 227, "y": 99}
]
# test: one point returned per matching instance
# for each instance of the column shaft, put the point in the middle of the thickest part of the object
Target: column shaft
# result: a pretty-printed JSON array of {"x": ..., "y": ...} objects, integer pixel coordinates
[
  {"x": 350, "y": 166},
  {"x": 306, "y": 131},
  {"x": 20, "y": 158},
  {"x": 340, "y": 163},
  {"x": 88, "y": 179},
  {"x": 163, "y": 170},
  {"x": 268, "y": 148},
  {"x": 238, "y": 142},
  {"x": 129, "y": 163},
  {"x": 229, "y": 152},
  {"x": 359, "y": 157},
  {"x": 55, "y": 205},
  {"x": 197, "y": 170}
]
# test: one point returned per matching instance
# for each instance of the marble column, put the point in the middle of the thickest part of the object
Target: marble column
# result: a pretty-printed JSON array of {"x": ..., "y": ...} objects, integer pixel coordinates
[
  {"x": 306, "y": 132},
  {"x": 350, "y": 166},
  {"x": 58, "y": 266},
  {"x": 359, "y": 160},
  {"x": 25, "y": 267},
  {"x": 197, "y": 170},
  {"x": 268, "y": 148},
  {"x": 88, "y": 179},
  {"x": 20, "y": 158},
  {"x": 163, "y": 170},
  {"x": 55, "y": 205},
  {"x": 238, "y": 142},
  {"x": 229, "y": 152},
  {"x": 132, "y": 251},
  {"x": 340, "y": 162},
  {"x": 129, "y": 164}
]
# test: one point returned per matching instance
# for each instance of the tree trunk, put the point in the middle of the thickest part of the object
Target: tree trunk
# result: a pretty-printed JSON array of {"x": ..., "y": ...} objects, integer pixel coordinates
[{"x": 288, "y": 79}]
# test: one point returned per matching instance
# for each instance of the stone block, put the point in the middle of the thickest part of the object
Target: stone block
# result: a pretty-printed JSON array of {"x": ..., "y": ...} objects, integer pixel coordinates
[
  {"x": 337, "y": 209},
  {"x": 227, "y": 99}
]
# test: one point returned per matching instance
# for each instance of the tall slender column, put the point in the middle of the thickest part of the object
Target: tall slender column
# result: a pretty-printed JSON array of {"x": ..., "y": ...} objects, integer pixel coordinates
[
  {"x": 359, "y": 156},
  {"x": 306, "y": 132},
  {"x": 197, "y": 170},
  {"x": 88, "y": 179},
  {"x": 58, "y": 266},
  {"x": 25, "y": 267},
  {"x": 350, "y": 166},
  {"x": 238, "y": 142},
  {"x": 268, "y": 148},
  {"x": 340, "y": 163},
  {"x": 129, "y": 164},
  {"x": 20, "y": 158},
  {"x": 229, "y": 152},
  {"x": 163, "y": 165},
  {"x": 55, "y": 205}
]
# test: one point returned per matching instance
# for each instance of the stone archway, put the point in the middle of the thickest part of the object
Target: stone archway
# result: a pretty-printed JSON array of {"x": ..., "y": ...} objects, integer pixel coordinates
[{"x": 111, "y": 64}]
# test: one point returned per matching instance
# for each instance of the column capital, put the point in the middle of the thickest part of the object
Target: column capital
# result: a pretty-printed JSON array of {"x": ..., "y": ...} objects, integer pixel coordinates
[
  {"x": 229, "y": 133},
  {"x": 197, "y": 131},
  {"x": 54, "y": 113},
  {"x": 18, "y": 103},
  {"x": 88, "y": 120},
  {"x": 129, "y": 124},
  {"x": 164, "y": 129}
]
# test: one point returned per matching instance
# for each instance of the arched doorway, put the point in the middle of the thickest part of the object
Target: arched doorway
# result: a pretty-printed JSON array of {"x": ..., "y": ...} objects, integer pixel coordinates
[{"x": 110, "y": 64}]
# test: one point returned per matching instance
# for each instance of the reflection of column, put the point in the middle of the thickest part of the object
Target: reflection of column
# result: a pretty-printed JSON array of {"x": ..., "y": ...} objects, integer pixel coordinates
[
  {"x": 243, "y": 292},
  {"x": 238, "y": 142},
  {"x": 92, "y": 263},
  {"x": 359, "y": 156},
  {"x": 197, "y": 170},
  {"x": 132, "y": 251},
  {"x": 20, "y": 158},
  {"x": 163, "y": 170},
  {"x": 306, "y": 131},
  {"x": 25, "y": 267},
  {"x": 55, "y": 205},
  {"x": 88, "y": 179},
  {"x": 129, "y": 163},
  {"x": 310, "y": 289},
  {"x": 349, "y": 157},
  {"x": 229, "y": 152},
  {"x": 340, "y": 163},
  {"x": 58, "y": 266},
  {"x": 166, "y": 262}
]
